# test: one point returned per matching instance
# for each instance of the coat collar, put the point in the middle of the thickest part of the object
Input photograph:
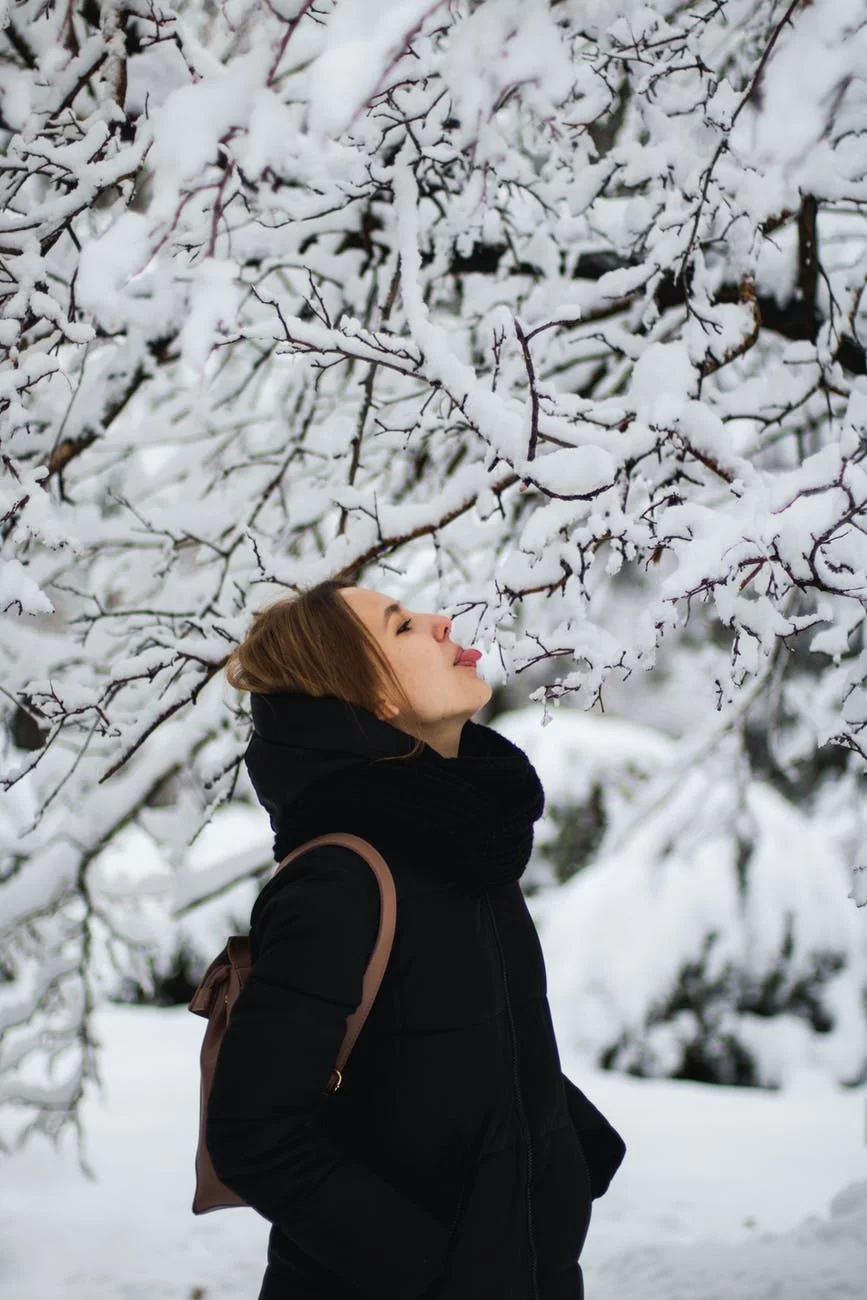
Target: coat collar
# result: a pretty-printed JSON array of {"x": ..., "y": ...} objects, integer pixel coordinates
[{"x": 316, "y": 765}]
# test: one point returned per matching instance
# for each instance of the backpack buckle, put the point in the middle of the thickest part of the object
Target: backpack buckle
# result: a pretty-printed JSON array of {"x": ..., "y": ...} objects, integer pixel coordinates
[{"x": 334, "y": 1081}]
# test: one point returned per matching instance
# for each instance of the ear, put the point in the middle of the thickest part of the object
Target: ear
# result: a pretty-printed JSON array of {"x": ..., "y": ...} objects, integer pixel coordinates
[{"x": 387, "y": 710}]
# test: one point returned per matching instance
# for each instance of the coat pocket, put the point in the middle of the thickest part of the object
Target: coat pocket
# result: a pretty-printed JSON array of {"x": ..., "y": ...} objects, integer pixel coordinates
[
  {"x": 561, "y": 1197},
  {"x": 602, "y": 1146}
]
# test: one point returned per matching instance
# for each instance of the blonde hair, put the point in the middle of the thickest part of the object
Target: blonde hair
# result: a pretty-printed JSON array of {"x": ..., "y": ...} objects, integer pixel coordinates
[{"x": 315, "y": 644}]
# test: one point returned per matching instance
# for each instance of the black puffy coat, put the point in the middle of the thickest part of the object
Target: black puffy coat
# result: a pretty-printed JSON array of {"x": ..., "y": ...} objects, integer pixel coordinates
[{"x": 449, "y": 1164}]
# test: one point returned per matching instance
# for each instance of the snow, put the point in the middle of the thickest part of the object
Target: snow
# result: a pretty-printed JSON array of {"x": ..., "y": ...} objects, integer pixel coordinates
[
  {"x": 662, "y": 379},
  {"x": 18, "y": 588},
  {"x": 725, "y": 1194},
  {"x": 801, "y": 80},
  {"x": 585, "y": 470},
  {"x": 363, "y": 38},
  {"x": 189, "y": 125},
  {"x": 214, "y": 298},
  {"x": 108, "y": 262},
  {"x": 859, "y": 885}
]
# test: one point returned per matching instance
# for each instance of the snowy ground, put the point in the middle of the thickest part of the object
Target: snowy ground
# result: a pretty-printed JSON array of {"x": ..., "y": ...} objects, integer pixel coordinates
[{"x": 724, "y": 1192}]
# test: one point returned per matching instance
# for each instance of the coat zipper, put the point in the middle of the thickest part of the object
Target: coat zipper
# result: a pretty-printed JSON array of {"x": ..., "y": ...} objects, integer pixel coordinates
[
  {"x": 459, "y": 1207},
  {"x": 525, "y": 1128}
]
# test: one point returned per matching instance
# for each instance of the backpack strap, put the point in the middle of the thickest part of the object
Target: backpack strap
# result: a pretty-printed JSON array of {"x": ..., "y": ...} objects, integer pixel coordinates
[{"x": 384, "y": 939}]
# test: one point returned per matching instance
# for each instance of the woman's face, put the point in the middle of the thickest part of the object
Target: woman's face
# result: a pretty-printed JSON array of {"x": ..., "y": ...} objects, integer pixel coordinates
[{"x": 421, "y": 652}]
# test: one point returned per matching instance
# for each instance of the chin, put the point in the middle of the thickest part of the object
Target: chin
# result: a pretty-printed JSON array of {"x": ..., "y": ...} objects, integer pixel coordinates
[{"x": 484, "y": 693}]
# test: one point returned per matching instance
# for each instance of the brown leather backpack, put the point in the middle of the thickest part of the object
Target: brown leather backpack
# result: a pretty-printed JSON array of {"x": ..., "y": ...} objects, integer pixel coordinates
[{"x": 224, "y": 979}]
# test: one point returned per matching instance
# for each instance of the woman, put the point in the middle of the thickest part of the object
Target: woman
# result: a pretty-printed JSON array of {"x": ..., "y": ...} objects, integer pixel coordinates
[{"x": 448, "y": 1166}]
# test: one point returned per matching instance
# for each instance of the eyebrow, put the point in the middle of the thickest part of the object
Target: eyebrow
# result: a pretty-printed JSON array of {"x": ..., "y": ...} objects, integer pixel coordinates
[{"x": 389, "y": 610}]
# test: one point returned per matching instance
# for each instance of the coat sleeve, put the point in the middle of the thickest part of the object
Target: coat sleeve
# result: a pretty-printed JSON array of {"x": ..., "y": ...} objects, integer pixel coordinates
[
  {"x": 314, "y": 937},
  {"x": 603, "y": 1146}
]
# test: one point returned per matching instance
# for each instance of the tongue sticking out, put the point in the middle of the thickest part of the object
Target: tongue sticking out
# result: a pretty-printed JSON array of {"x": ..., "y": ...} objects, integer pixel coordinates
[{"x": 469, "y": 657}]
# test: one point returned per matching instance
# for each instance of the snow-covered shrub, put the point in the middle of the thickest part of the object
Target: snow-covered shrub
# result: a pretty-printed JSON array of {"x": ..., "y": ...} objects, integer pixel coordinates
[
  {"x": 579, "y": 828},
  {"x": 710, "y": 937}
]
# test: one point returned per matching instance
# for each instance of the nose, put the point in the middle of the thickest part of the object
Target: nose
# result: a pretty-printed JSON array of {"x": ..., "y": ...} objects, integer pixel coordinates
[{"x": 443, "y": 624}]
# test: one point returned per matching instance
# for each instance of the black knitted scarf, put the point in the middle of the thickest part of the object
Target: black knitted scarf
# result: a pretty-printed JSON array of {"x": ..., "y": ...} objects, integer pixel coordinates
[{"x": 469, "y": 818}]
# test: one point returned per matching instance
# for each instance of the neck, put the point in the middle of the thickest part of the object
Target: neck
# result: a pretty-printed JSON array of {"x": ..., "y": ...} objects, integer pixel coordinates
[{"x": 444, "y": 736}]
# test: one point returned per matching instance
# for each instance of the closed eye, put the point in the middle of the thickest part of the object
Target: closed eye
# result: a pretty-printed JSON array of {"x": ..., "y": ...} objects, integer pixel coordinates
[{"x": 404, "y": 626}]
